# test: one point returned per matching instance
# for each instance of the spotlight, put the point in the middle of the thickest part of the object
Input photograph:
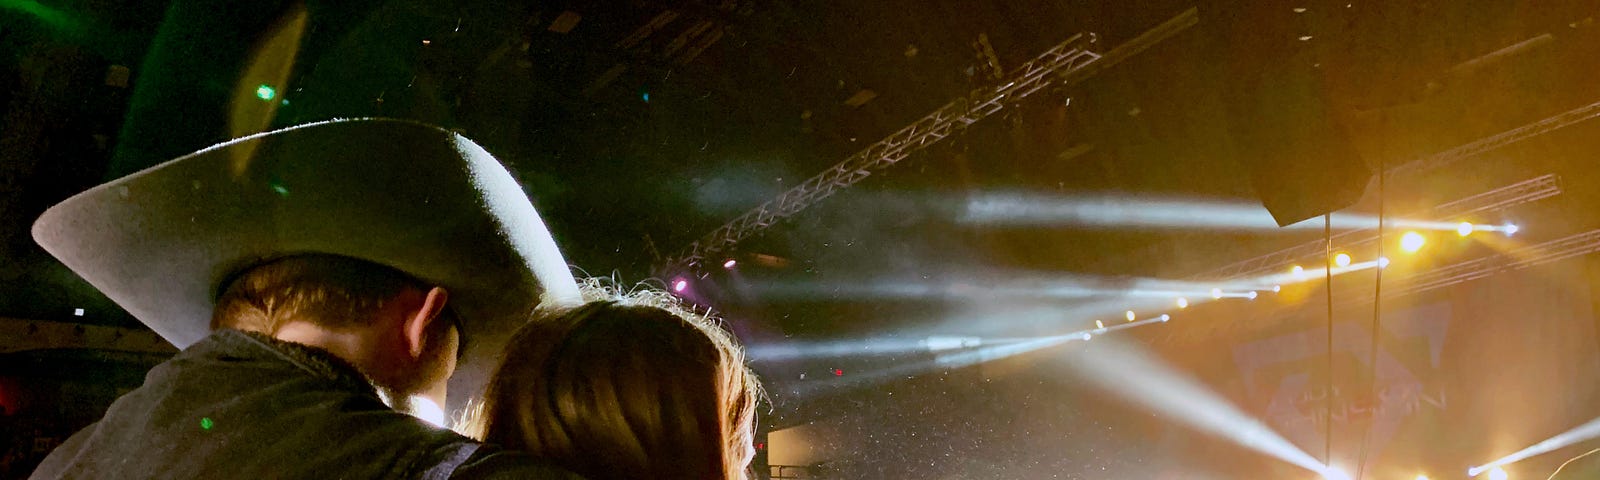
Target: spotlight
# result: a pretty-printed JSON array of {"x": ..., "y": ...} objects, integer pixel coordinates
[
  {"x": 1183, "y": 303},
  {"x": 1129, "y": 315},
  {"x": 1086, "y": 336},
  {"x": 1277, "y": 288},
  {"x": 1342, "y": 260},
  {"x": 1510, "y": 229},
  {"x": 1216, "y": 293},
  {"x": 1335, "y": 473},
  {"x": 1165, "y": 317},
  {"x": 1498, "y": 474},
  {"x": 266, "y": 92},
  {"x": 730, "y": 264},
  {"x": 1464, "y": 229},
  {"x": 680, "y": 285},
  {"x": 1252, "y": 295},
  {"x": 1299, "y": 272},
  {"x": 1383, "y": 262},
  {"x": 1099, "y": 325},
  {"x": 1411, "y": 242},
  {"x": 1422, "y": 477}
]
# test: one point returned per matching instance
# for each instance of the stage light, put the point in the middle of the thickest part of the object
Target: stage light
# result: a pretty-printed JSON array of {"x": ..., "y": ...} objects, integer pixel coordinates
[
  {"x": 1129, "y": 315},
  {"x": 1335, "y": 473},
  {"x": 1342, "y": 260},
  {"x": 1277, "y": 288},
  {"x": 1134, "y": 375},
  {"x": 1383, "y": 262},
  {"x": 1183, "y": 303},
  {"x": 1498, "y": 474},
  {"x": 1216, "y": 293},
  {"x": 1099, "y": 325},
  {"x": 1510, "y": 229},
  {"x": 77, "y": 312},
  {"x": 1422, "y": 477},
  {"x": 1411, "y": 242},
  {"x": 730, "y": 264},
  {"x": 1464, "y": 229},
  {"x": 1581, "y": 433},
  {"x": 1252, "y": 295},
  {"x": 939, "y": 343},
  {"x": 266, "y": 92},
  {"x": 1299, "y": 272},
  {"x": 1086, "y": 336},
  {"x": 680, "y": 285},
  {"x": 1165, "y": 317}
]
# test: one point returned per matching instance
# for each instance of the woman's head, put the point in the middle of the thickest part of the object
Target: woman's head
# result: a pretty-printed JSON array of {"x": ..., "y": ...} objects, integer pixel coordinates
[{"x": 625, "y": 388}]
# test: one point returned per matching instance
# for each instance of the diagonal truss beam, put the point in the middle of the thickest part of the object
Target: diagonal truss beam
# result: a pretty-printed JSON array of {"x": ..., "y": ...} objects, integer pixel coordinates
[
  {"x": 1519, "y": 258},
  {"x": 1526, "y": 191},
  {"x": 1492, "y": 142},
  {"x": 1069, "y": 62}
]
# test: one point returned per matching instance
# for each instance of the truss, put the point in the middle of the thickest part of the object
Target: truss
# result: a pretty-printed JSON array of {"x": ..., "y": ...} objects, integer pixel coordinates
[
  {"x": 1541, "y": 127},
  {"x": 1526, "y": 191},
  {"x": 1515, "y": 259},
  {"x": 1068, "y": 62}
]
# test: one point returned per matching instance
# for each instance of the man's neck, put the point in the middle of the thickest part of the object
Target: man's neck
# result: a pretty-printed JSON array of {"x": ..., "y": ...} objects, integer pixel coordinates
[
  {"x": 361, "y": 352},
  {"x": 348, "y": 346}
]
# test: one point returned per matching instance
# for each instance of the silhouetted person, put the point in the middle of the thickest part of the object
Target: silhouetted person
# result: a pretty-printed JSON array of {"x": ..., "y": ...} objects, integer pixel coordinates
[
  {"x": 344, "y": 263},
  {"x": 627, "y": 386}
]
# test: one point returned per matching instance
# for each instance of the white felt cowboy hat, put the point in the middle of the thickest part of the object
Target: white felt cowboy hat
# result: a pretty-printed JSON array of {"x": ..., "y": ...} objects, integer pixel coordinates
[{"x": 419, "y": 198}]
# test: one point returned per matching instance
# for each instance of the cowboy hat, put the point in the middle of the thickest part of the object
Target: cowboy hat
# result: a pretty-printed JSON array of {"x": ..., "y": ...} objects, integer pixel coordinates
[{"x": 421, "y": 199}]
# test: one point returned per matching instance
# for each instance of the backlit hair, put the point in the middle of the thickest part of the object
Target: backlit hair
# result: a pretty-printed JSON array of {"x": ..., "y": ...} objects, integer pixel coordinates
[{"x": 627, "y": 385}]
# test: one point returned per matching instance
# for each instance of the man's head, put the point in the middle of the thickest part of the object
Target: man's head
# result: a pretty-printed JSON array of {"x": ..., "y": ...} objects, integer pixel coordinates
[
  {"x": 421, "y": 199},
  {"x": 394, "y": 328}
]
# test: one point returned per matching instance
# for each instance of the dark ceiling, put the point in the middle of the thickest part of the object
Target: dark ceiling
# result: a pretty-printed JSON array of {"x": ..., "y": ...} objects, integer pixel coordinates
[{"x": 638, "y": 126}]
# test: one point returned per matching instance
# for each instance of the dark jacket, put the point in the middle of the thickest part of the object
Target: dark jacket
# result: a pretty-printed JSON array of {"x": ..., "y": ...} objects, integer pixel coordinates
[{"x": 240, "y": 405}]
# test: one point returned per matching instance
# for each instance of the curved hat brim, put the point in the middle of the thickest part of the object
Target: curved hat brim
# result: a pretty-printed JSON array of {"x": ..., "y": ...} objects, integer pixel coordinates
[{"x": 421, "y": 199}]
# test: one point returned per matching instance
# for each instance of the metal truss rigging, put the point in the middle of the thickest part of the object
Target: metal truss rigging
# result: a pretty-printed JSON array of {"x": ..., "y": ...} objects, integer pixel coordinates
[
  {"x": 1519, "y": 258},
  {"x": 1534, "y": 189},
  {"x": 1069, "y": 62}
]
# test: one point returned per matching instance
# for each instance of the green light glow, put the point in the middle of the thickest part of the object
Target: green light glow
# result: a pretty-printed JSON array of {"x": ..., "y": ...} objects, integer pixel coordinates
[
  {"x": 53, "y": 17},
  {"x": 266, "y": 92},
  {"x": 206, "y": 423}
]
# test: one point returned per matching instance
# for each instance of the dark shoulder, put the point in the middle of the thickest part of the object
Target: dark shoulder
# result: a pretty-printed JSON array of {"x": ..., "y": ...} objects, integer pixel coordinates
[{"x": 493, "y": 463}]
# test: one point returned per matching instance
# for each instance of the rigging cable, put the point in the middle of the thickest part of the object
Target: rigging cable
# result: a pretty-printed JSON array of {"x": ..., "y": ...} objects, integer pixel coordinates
[{"x": 1327, "y": 406}]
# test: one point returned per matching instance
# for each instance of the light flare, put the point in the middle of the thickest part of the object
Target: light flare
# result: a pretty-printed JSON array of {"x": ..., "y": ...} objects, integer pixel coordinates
[
  {"x": 1587, "y": 431},
  {"x": 1128, "y": 372}
]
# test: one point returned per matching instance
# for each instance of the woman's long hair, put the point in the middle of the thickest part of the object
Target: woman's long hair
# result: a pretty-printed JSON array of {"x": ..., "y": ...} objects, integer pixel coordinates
[{"x": 620, "y": 389}]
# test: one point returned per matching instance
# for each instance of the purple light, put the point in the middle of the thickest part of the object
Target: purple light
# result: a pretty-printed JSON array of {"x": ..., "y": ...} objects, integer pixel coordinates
[
  {"x": 730, "y": 263},
  {"x": 680, "y": 285}
]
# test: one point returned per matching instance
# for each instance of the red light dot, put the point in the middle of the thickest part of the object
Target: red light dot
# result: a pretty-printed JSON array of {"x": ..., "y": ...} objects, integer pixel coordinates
[{"x": 838, "y": 372}]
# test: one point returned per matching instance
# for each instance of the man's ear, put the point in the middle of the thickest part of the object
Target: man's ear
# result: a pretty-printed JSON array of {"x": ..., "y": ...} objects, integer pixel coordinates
[{"x": 418, "y": 321}]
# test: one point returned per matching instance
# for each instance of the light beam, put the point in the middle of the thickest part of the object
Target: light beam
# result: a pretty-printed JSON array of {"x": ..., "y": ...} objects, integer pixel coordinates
[
  {"x": 1585, "y": 432},
  {"x": 1136, "y": 376},
  {"x": 1006, "y": 209}
]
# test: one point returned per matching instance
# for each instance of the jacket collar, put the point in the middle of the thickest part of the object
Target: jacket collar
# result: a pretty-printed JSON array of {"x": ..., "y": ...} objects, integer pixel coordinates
[{"x": 313, "y": 360}]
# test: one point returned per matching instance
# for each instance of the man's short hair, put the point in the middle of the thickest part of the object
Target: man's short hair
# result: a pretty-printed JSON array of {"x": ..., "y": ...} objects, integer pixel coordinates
[{"x": 328, "y": 290}]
